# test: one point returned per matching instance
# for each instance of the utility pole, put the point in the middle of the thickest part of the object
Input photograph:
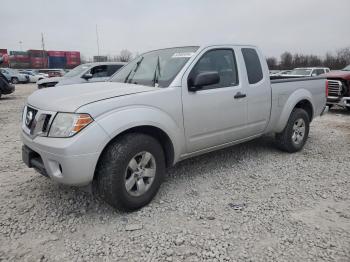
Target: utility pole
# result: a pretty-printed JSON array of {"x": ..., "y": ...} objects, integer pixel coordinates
[
  {"x": 98, "y": 44},
  {"x": 43, "y": 49}
]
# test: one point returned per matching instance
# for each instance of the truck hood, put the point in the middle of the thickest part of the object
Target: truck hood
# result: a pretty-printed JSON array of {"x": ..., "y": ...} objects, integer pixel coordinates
[
  {"x": 339, "y": 74},
  {"x": 69, "y": 98}
]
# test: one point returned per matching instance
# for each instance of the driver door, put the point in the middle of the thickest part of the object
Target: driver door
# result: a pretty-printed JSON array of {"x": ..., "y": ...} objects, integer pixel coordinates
[{"x": 215, "y": 114}]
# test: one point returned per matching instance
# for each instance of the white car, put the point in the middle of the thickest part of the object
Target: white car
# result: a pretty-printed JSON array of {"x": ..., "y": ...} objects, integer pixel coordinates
[
  {"x": 306, "y": 72},
  {"x": 33, "y": 78}
]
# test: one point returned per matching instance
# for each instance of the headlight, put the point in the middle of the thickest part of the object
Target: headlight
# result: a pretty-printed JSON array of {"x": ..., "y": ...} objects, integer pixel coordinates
[{"x": 68, "y": 124}]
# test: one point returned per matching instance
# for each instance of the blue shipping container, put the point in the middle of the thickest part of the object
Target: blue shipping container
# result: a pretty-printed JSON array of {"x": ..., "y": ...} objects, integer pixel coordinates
[{"x": 57, "y": 62}]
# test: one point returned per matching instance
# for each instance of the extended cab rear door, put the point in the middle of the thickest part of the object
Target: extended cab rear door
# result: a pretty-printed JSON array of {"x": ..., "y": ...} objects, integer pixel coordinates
[
  {"x": 257, "y": 81},
  {"x": 216, "y": 114}
]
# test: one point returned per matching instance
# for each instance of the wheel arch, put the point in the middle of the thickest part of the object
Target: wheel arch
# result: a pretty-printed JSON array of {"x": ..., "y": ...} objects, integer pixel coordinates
[
  {"x": 160, "y": 135},
  {"x": 301, "y": 98}
]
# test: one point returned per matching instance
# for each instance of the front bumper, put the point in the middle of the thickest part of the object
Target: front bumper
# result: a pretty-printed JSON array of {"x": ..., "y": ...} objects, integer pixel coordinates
[
  {"x": 8, "y": 89},
  {"x": 343, "y": 101},
  {"x": 70, "y": 161}
]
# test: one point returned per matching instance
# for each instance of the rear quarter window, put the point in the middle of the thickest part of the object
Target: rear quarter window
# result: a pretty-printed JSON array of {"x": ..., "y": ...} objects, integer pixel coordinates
[{"x": 253, "y": 65}]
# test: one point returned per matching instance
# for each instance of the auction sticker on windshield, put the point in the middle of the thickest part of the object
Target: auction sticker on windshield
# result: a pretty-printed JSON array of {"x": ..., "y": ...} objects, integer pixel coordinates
[{"x": 182, "y": 55}]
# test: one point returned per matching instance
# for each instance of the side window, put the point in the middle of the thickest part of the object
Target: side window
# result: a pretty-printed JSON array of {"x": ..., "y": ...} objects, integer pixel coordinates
[
  {"x": 221, "y": 60},
  {"x": 99, "y": 71},
  {"x": 112, "y": 69},
  {"x": 253, "y": 65},
  {"x": 318, "y": 72}
]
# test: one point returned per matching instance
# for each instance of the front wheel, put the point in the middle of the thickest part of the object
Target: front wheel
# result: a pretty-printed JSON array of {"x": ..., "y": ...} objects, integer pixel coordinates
[
  {"x": 130, "y": 171},
  {"x": 15, "y": 80},
  {"x": 296, "y": 132}
]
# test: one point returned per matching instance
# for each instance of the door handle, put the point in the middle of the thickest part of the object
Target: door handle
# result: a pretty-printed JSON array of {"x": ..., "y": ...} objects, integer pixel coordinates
[{"x": 239, "y": 95}]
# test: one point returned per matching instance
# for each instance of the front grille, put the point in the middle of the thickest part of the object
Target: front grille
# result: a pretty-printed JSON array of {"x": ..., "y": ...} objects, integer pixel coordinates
[
  {"x": 334, "y": 87},
  {"x": 36, "y": 122}
]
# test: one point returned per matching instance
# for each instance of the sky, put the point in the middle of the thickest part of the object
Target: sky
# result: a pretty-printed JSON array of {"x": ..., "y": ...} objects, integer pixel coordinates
[{"x": 298, "y": 26}]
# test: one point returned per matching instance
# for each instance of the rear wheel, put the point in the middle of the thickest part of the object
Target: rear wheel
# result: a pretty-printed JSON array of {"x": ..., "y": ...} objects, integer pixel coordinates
[
  {"x": 295, "y": 134},
  {"x": 130, "y": 171},
  {"x": 14, "y": 80}
]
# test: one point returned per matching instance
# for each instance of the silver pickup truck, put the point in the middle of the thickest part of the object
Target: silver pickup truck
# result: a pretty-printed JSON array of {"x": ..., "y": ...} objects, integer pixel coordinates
[{"x": 165, "y": 106}]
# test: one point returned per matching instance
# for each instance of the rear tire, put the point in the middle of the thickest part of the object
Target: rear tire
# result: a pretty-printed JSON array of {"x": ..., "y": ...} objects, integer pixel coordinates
[
  {"x": 294, "y": 135},
  {"x": 14, "y": 80},
  {"x": 120, "y": 171}
]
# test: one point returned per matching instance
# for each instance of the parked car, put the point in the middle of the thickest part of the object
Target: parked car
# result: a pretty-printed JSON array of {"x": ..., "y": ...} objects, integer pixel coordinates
[
  {"x": 14, "y": 76},
  {"x": 85, "y": 73},
  {"x": 33, "y": 78},
  {"x": 165, "y": 106},
  {"x": 307, "y": 71},
  {"x": 5, "y": 86},
  {"x": 53, "y": 72},
  {"x": 339, "y": 88},
  {"x": 280, "y": 72}
]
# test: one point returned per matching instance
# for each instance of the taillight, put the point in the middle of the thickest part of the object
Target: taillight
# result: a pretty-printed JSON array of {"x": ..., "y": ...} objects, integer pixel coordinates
[{"x": 326, "y": 88}]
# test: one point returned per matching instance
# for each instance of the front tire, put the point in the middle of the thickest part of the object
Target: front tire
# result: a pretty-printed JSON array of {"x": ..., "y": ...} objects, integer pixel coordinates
[
  {"x": 293, "y": 137},
  {"x": 130, "y": 171},
  {"x": 14, "y": 80}
]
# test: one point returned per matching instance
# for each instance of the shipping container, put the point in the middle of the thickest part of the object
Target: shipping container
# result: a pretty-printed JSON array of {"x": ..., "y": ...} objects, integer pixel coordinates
[
  {"x": 38, "y": 62},
  {"x": 24, "y": 53},
  {"x": 73, "y": 59},
  {"x": 56, "y": 53},
  {"x": 37, "y": 53},
  {"x": 19, "y": 58},
  {"x": 4, "y": 57},
  {"x": 20, "y": 65},
  {"x": 57, "y": 62},
  {"x": 72, "y": 54}
]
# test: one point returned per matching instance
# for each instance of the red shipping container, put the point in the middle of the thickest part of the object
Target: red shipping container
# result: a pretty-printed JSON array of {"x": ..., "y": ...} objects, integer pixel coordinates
[
  {"x": 38, "y": 62},
  {"x": 37, "y": 53},
  {"x": 19, "y": 58},
  {"x": 72, "y": 54},
  {"x": 4, "y": 55},
  {"x": 56, "y": 53}
]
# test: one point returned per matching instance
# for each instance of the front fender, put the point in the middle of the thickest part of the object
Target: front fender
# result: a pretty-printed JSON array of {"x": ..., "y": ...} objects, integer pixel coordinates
[
  {"x": 122, "y": 119},
  {"x": 289, "y": 105}
]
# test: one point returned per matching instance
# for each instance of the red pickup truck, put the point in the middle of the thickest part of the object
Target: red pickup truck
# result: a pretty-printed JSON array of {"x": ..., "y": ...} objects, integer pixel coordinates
[{"x": 339, "y": 88}]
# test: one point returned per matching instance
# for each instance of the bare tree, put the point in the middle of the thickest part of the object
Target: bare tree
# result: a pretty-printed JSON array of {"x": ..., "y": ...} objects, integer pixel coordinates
[
  {"x": 124, "y": 56},
  {"x": 286, "y": 61},
  {"x": 272, "y": 63}
]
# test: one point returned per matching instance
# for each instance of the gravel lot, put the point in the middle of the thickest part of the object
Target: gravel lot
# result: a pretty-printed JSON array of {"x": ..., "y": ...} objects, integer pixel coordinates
[{"x": 250, "y": 202}]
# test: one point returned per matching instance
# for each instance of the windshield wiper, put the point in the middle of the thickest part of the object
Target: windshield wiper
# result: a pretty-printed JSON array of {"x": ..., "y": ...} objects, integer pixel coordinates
[
  {"x": 133, "y": 70},
  {"x": 156, "y": 74}
]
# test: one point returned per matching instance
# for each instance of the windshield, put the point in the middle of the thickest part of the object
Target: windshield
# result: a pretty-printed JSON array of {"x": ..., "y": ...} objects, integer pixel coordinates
[
  {"x": 155, "y": 68},
  {"x": 347, "y": 68},
  {"x": 300, "y": 72},
  {"x": 77, "y": 70}
]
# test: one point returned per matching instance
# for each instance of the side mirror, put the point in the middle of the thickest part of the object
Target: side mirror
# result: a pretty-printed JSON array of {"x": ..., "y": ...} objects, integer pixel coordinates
[
  {"x": 203, "y": 79},
  {"x": 87, "y": 76}
]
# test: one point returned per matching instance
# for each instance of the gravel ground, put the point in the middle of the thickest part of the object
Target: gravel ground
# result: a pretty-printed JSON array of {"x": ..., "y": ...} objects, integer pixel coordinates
[{"x": 250, "y": 202}]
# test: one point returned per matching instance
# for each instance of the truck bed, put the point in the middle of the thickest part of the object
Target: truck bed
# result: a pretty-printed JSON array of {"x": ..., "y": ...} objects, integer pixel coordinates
[{"x": 283, "y": 91}]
